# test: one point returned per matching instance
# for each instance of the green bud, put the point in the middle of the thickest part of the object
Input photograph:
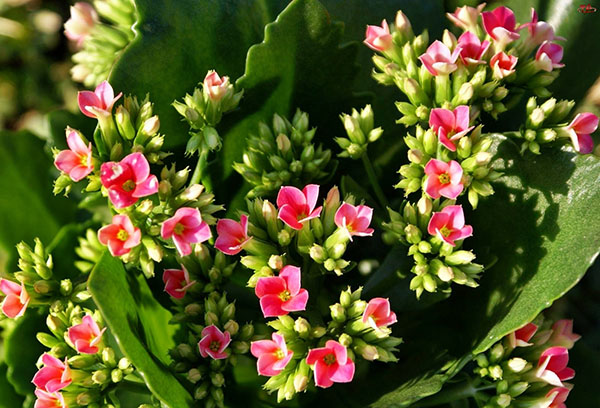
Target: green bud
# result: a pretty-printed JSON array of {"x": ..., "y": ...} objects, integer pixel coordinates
[
  {"x": 217, "y": 379},
  {"x": 201, "y": 392},
  {"x": 108, "y": 357},
  {"x": 496, "y": 353},
  {"x": 240, "y": 347},
  {"x": 517, "y": 389},
  {"x": 101, "y": 377},
  {"x": 116, "y": 375},
  {"x": 302, "y": 327},
  {"x": 517, "y": 364},
  {"x": 247, "y": 332},
  {"x": 338, "y": 313}
]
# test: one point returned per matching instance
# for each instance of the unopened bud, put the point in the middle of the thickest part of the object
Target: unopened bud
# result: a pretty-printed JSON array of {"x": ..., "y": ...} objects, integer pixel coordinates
[{"x": 338, "y": 312}]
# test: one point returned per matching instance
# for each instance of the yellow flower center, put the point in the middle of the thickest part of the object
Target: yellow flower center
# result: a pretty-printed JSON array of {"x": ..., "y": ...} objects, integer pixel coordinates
[
  {"x": 215, "y": 345},
  {"x": 83, "y": 160},
  {"x": 329, "y": 359},
  {"x": 444, "y": 178},
  {"x": 279, "y": 354},
  {"x": 445, "y": 231},
  {"x": 122, "y": 235},
  {"x": 285, "y": 296},
  {"x": 179, "y": 228},
  {"x": 129, "y": 185}
]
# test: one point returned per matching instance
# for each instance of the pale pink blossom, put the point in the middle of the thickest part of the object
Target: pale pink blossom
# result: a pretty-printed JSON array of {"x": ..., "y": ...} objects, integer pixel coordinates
[
  {"x": 449, "y": 225},
  {"x": 378, "y": 38},
  {"x": 297, "y": 207},
  {"x": 47, "y": 399},
  {"x": 231, "y": 235},
  {"x": 77, "y": 161},
  {"x": 466, "y": 17},
  {"x": 552, "y": 366},
  {"x": 128, "y": 180},
  {"x": 16, "y": 300},
  {"x": 378, "y": 313},
  {"x": 331, "y": 364},
  {"x": 273, "y": 355},
  {"x": 282, "y": 294},
  {"x": 472, "y": 49},
  {"x": 54, "y": 376},
  {"x": 539, "y": 31},
  {"x": 521, "y": 337},
  {"x": 503, "y": 65},
  {"x": 185, "y": 227},
  {"x": 120, "y": 236},
  {"x": 215, "y": 86},
  {"x": 450, "y": 125},
  {"x": 500, "y": 24},
  {"x": 83, "y": 19},
  {"x": 177, "y": 282},
  {"x": 580, "y": 130},
  {"x": 214, "y": 342},
  {"x": 556, "y": 397},
  {"x": 443, "y": 179},
  {"x": 354, "y": 219},
  {"x": 86, "y": 336},
  {"x": 549, "y": 56},
  {"x": 439, "y": 60},
  {"x": 99, "y": 102},
  {"x": 562, "y": 334}
]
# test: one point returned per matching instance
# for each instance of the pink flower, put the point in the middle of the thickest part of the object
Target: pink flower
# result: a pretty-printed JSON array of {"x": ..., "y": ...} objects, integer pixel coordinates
[
  {"x": 120, "y": 236},
  {"x": 503, "y": 65},
  {"x": 438, "y": 60},
  {"x": 450, "y": 125},
  {"x": 354, "y": 219},
  {"x": 49, "y": 399},
  {"x": 16, "y": 300},
  {"x": 214, "y": 342},
  {"x": 443, "y": 179},
  {"x": 580, "y": 129},
  {"x": 272, "y": 355},
  {"x": 297, "y": 207},
  {"x": 556, "y": 397},
  {"x": 539, "y": 31},
  {"x": 466, "y": 17},
  {"x": 54, "y": 376},
  {"x": 86, "y": 336},
  {"x": 378, "y": 313},
  {"x": 215, "y": 86},
  {"x": 449, "y": 224},
  {"x": 76, "y": 162},
  {"x": 378, "y": 38},
  {"x": 500, "y": 25},
  {"x": 562, "y": 334},
  {"x": 99, "y": 102},
  {"x": 82, "y": 21},
  {"x": 232, "y": 236},
  {"x": 128, "y": 180},
  {"x": 521, "y": 337},
  {"x": 548, "y": 56},
  {"x": 185, "y": 227},
  {"x": 281, "y": 294},
  {"x": 472, "y": 49},
  {"x": 177, "y": 282},
  {"x": 331, "y": 364},
  {"x": 552, "y": 366}
]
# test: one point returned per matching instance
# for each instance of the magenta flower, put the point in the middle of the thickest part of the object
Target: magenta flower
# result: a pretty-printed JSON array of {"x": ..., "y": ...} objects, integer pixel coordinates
[
  {"x": 54, "y": 376},
  {"x": 76, "y": 162},
  {"x": 215, "y": 86},
  {"x": 580, "y": 130},
  {"x": 281, "y": 294},
  {"x": 443, "y": 179},
  {"x": 539, "y": 31},
  {"x": 556, "y": 397},
  {"x": 99, "y": 102},
  {"x": 503, "y": 65},
  {"x": 185, "y": 227},
  {"x": 466, "y": 17},
  {"x": 86, "y": 336},
  {"x": 562, "y": 334},
  {"x": 378, "y": 38},
  {"x": 272, "y": 355},
  {"x": 82, "y": 21},
  {"x": 449, "y": 225},
  {"x": 378, "y": 313},
  {"x": 521, "y": 337},
  {"x": 128, "y": 180},
  {"x": 439, "y": 60},
  {"x": 16, "y": 300},
  {"x": 120, "y": 236},
  {"x": 214, "y": 342},
  {"x": 500, "y": 25},
  {"x": 450, "y": 125},
  {"x": 354, "y": 219},
  {"x": 47, "y": 399},
  {"x": 231, "y": 235},
  {"x": 177, "y": 282},
  {"x": 331, "y": 364},
  {"x": 549, "y": 56},
  {"x": 552, "y": 366},
  {"x": 297, "y": 207},
  {"x": 472, "y": 49}
]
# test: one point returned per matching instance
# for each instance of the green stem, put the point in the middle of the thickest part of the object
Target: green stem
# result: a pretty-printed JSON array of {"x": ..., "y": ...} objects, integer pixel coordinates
[
  {"x": 374, "y": 182},
  {"x": 199, "y": 172},
  {"x": 457, "y": 392}
]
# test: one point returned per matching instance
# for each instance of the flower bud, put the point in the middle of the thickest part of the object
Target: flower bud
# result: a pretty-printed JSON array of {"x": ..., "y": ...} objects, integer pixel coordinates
[
  {"x": 345, "y": 340},
  {"x": 338, "y": 313},
  {"x": 302, "y": 327},
  {"x": 517, "y": 364}
]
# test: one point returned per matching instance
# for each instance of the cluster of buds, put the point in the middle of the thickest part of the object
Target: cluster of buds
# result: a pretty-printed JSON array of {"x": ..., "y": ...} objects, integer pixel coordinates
[
  {"x": 528, "y": 368},
  {"x": 284, "y": 155},
  {"x": 89, "y": 251},
  {"x": 360, "y": 131},
  {"x": 79, "y": 369},
  {"x": 100, "y": 42}
]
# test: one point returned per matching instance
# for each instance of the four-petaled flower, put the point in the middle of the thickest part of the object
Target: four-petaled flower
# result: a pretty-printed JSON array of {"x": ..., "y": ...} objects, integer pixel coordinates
[
  {"x": 185, "y": 227},
  {"x": 549, "y": 56},
  {"x": 281, "y": 294},
  {"x": 177, "y": 282},
  {"x": 215, "y": 86},
  {"x": 439, "y": 60},
  {"x": 120, "y": 236},
  {"x": 500, "y": 24},
  {"x": 378, "y": 38},
  {"x": 378, "y": 313},
  {"x": 82, "y": 21},
  {"x": 552, "y": 366},
  {"x": 521, "y": 337},
  {"x": 503, "y": 65},
  {"x": 99, "y": 102},
  {"x": 562, "y": 334},
  {"x": 54, "y": 376},
  {"x": 16, "y": 300},
  {"x": 214, "y": 342},
  {"x": 450, "y": 125},
  {"x": 580, "y": 129},
  {"x": 86, "y": 336},
  {"x": 297, "y": 207},
  {"x": 47, "y": 399},
  {"x": 354, "y": 219},
  {"x": 472, "y": 49},
  {"x": 331, "y": 364},
  {"x": 77, "y": 161},
  {"x": 272, "y": 355},
  {"x": 231, "y": 235},
  {"x": 449, "y": 225},
  {"x": 443, "y": 179}
]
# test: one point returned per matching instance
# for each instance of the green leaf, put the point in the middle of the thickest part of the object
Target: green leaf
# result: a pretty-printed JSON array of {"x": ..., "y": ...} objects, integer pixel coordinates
[
  {"x": 10, "y": 398},
  {"x": 140, "y": 326}
]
